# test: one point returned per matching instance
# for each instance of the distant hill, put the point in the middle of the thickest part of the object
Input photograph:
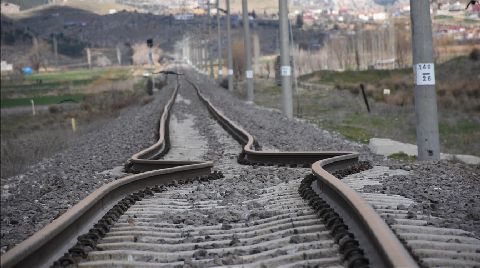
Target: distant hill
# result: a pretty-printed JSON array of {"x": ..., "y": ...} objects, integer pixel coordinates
[
  {"x": 94, "y": 6},
  {"x": 75, "y": 29},
  {"x": 27, "y": 4},
  {"x": 385, "y": 2}
]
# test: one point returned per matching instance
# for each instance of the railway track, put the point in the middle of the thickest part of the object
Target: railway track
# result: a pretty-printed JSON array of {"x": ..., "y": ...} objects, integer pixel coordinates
[{"x": 120, "y": 219}]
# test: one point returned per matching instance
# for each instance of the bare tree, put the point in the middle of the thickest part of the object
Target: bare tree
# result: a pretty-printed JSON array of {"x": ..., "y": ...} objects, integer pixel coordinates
[
  {"x": 267, "y": 69},
  {"x": 238, "y": 53},
  {"x": 140, "y": 54},
  {"x": 38, "y": 54}
]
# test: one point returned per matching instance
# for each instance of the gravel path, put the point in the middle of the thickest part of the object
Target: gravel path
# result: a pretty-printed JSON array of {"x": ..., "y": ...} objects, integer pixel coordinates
[
  {"x": 32, "y": 200},
  {"x": 448, "y": 190}
]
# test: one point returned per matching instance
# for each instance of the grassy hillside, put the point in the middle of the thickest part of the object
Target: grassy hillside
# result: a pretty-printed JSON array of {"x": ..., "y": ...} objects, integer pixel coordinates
[
  {"x": 457, "y": 83},
  {"x": 56, "y": 87},
  {"x": 393, "y": 116}
]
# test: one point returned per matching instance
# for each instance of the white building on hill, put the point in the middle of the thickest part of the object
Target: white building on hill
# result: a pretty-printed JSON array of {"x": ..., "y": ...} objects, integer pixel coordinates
[{"x": 9, "y": 8}]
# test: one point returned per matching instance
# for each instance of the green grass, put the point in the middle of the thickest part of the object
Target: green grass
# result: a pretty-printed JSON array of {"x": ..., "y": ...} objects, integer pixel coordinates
[
  {"x": 37, "y": 86},
  {"x": 470, "y": 21},
  {"x": 443, "y": 17},
  {"x": 43, "y": 100},
  {"x": 31, "y": 89},
  {"x": 463, "y": 126},
  {"x": 345, "y": 113},
  {"x": 350, "y": 132},
  {"x": 458, "y": 68},
  {"x": 84, "y": 74},
  {"x": 352, "y": 77},
  {"x": 358, "y": 127},
  {"x": 402, "y": 157}
]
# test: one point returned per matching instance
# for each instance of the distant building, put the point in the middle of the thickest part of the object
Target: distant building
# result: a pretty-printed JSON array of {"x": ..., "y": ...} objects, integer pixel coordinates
[
  {"x": 379, "y": 16},
  {"x": 476, "y": 8},
  {"x": 308, "y": 18},
  {"x": 457, "y": 6},
  {"x": 5, "y": 67},
  {"x": 74, "y": 23},
  {"x": 185, "y": 16},
  {"x": 9, "y": 8}
]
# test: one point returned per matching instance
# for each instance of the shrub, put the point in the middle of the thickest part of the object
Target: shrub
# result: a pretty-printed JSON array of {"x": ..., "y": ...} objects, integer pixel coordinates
[
  {"x": 140, "y": 54},
  {"x": 146, "y": 99},
  {"x": 224, "y": 83},
  {"x": 475, "y": 54},
  {"x": 238, "y": 56},
  {"x": 55, "y": 109},
  {"x": 149, "y": 86}
]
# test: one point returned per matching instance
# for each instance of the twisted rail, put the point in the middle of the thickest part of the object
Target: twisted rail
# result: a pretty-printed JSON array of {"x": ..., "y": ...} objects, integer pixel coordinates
[
  {"x": 381, "y": 244},
  {"x": 47, "y": 245}
]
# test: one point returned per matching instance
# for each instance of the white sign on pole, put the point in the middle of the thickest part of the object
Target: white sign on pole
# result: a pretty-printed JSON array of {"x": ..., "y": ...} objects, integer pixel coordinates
[
  {"x": 220, "y": 72},
  {"x": 424, "y": 74},
  {"x": 33, "y": 106},
  {"x": 286, "y": 71},
  {"x": 230, "y": 71},
  {"x": 249, "y": 74}
]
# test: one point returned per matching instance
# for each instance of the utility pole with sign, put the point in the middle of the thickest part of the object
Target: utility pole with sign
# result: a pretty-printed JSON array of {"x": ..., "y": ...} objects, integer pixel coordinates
[
  {"x": 424, "y": 74},
  {"x": 210, "y": 51},
  {"x": 150, "y": 55},
  {"x": 229, "y": 49},
  {"x": 248, "y": 51},
  {"x": 285, "y": 68},
  {"x": 220, "y": 65}
]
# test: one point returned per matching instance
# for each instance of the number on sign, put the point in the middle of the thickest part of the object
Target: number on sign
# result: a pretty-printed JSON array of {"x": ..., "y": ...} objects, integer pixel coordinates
[{"x": 425, "y": 74}]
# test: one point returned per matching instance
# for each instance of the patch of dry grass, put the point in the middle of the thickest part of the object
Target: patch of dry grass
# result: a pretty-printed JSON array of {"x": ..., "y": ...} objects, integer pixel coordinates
[
  {"x": 456, "y": 83},
  {"x": 27, "y": 139}
]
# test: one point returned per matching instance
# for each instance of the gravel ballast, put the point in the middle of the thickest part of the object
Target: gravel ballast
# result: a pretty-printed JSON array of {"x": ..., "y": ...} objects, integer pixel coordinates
[
  {"x": 32, "y": 200},
  {"x": 63, "y": 180},
  {"x": 270, "y": 128},
  {"x": 444, "y": 189},
  {"x": 253, "y": 215}
]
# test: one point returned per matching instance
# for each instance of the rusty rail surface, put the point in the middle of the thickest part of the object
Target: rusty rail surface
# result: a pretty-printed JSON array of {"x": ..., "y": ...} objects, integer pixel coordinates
[{"x": 48, "y": 244}]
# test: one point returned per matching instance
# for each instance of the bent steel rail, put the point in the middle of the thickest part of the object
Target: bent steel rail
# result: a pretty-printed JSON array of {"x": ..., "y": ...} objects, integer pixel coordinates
[
  {"x": 47, "y": 245},
  {"x": 376, "y": 237}
]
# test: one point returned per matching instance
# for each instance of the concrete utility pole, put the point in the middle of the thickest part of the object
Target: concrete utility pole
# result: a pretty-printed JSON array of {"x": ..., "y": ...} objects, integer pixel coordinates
[
  {"x": 205, "y": 56},
  {"x": 55, "y": 50},
  {"x": 424, "y": 72},
  {"x": 203, "y": 66},
  {"x": 210, "y": 56},
  {"x": 119, "y": 55},
  {"x": 220, "y": 65},
  {"x": 229, "y": 49},
  {"x": 192, "y": 56},
  {"x": 285, "y": 68},
  {"x": 248, "y": 51},
  {"x": 89, "y": 58},
  {"x": 256, "y": 53},
  {"x": 197, "y": 57},
  {"x": 150, "y": 54}
]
